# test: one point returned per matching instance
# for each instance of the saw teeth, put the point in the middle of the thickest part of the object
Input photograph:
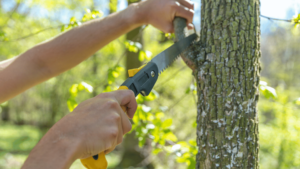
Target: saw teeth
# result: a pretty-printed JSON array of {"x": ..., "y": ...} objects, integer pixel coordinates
[{"x": 169, "y": 64}]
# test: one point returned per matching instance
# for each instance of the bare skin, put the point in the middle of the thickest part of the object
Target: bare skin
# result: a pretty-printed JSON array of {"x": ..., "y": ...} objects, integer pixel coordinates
[{"x": 97, "y": 124}]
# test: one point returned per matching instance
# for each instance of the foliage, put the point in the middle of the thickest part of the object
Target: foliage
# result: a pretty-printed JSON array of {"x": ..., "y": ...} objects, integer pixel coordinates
[
  {"x": 74, "y": 89},
  {"x": 267, "y": 91},
  {"x": 279, "y": 131},
  {"x": 296, "y": 20},
  {"x": 89, "y": 15}
]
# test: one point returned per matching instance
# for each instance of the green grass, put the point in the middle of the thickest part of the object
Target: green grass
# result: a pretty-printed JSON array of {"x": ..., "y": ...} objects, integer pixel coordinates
[{"x": 16, "y": 142}]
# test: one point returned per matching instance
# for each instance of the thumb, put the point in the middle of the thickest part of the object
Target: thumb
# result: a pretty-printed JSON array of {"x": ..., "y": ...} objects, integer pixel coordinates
[{"x": 126, "y": 98}]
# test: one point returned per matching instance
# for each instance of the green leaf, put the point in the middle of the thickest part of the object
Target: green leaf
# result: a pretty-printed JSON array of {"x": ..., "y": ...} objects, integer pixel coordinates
[
  {"x": 159, "y": 115},
  {"x": 297, "y": 101},
  {"x": 156, "y": 151},
  {"x": 142, "y": 55},
  {"x": 187, "y": 91},
  {"x": 87, "y": 87},
  {"x": 267, "y": 91},
  {"x": 183, "y": 144},
  {"x": 142, "y": 141},
  {"x": 74, "y": 90},
  {"x": 119, "y": 68},
  {"x": 72, "y": 104},
  {"x": 194, "y": 124},
  {"x": 193, "y": 142},
  {"x": 167, "y": 123},
  {"x": 191, "y": 163},
  {"x": 72, "y": 20},
  {"x": 152, "y": 96}
]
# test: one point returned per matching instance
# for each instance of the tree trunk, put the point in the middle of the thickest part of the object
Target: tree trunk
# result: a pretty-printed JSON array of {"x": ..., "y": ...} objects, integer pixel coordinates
[
  {"x": 133, "y": 156},
  {"x": 5, "y": 112},
  {"x": 226, "y": 66}
]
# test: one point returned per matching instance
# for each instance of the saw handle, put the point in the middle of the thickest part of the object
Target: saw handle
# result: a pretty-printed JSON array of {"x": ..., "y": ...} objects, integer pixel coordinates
[
  {"x": 140, "y": 80},
  {"x": 99, "y": 161}
]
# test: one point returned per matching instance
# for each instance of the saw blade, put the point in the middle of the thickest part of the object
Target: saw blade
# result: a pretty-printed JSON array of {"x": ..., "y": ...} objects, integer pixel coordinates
[{"x": 168, "y": 56}]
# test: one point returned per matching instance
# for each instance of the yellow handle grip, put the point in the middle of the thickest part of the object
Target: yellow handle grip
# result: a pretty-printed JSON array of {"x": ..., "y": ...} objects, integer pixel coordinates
[{"x": 101, "y": 162}]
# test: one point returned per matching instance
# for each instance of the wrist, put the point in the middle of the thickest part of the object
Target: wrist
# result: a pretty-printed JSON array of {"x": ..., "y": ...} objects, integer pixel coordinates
[
  {"x": 60, "y": 141},
  {"x": 53, "y": 151},
  {"x": 137, "y": 14}
]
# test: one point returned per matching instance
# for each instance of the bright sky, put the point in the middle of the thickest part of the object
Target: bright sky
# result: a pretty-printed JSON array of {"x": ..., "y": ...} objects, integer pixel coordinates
[{"x": 283, "y": 9}]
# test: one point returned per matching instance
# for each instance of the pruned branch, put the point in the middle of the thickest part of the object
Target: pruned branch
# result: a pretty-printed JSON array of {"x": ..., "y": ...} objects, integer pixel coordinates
[{"x": 188, "y": 58}]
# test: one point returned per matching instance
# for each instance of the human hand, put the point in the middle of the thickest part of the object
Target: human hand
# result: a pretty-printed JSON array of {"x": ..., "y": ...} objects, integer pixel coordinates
[
  {"x": 98, "y": 123},
  {"x": 161, "y": 13}
]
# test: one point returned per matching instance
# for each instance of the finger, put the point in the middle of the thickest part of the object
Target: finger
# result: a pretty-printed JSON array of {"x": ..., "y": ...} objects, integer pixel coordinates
[
  {"x": 126, "y": 125},
  {"x": 126, "y": 98},
  {"x": 187, "y": 3},
  {"x": 184, "y": 12},
  {"x": 117, "y": 136},
  {"x": 190, "y": 26}
]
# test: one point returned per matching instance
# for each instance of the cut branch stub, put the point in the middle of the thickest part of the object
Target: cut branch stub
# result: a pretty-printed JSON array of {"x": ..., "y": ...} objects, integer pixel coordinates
[{"x": 188, "y": 55}]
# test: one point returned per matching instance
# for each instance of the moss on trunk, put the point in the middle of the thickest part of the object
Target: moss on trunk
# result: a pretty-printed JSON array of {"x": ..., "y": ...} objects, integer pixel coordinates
[{"x": 227, "y": 70}]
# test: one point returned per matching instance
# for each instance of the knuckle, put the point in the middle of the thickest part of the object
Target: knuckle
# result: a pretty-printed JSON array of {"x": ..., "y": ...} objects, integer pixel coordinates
[
  {"x": 113, "y": 133},
  {"x": 128, "y": 128},
  {"x": 104, "y": 95},
  {"x": 116, "y": 118},
  {"x": 120, "y": 140},
  {"x": 112, "y": 104},
  {"x": 174, "y": 4},
  {"x": 191, "y": 13},
  {"x": 131, "y": 93}
]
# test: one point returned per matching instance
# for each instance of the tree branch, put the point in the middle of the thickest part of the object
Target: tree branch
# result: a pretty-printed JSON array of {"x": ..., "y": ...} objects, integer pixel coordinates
[{"x": 276, "y": 19}]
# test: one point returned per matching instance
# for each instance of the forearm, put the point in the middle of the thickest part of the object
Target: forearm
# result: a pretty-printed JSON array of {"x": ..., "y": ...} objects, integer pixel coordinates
[
  {"x": 74, "y": 46},
  {"x": 65, "y": 51},
  {"x": 55, "y": 150}
]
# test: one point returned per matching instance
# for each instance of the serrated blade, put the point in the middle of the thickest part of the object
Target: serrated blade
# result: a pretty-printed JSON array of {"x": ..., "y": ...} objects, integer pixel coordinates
[{"x": 168, "y": 56}]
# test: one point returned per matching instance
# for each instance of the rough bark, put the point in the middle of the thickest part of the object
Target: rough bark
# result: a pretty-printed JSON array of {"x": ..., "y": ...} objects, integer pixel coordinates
[{"x": 227, "y": 69}]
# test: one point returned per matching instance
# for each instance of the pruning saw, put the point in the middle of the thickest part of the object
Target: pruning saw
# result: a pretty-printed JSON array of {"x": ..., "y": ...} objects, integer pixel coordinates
[{"x": 142, "y": 80}]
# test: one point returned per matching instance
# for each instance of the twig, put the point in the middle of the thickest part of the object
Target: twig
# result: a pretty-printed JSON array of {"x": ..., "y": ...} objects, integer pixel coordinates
[
  {"x": 178, "y": 101},
  {"x": 134, "y": 38},
  {"x": 276, "y": 19},
  {"x": 32, "y": 34},
  {"x": 120, "y": 58},
  {"x": 16, "y": 7}
]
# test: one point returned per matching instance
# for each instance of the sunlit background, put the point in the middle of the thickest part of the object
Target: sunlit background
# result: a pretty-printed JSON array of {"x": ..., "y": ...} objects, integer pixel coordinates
[{"x": 25, "y": 119}]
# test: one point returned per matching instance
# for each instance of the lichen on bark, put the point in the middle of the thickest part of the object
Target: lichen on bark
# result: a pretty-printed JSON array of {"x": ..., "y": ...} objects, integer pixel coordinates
[{"x": 226, "y": 66}]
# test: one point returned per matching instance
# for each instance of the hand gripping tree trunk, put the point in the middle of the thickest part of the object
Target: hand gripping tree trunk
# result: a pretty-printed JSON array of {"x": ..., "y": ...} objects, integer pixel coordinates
[{"x": 225, "y": 62}]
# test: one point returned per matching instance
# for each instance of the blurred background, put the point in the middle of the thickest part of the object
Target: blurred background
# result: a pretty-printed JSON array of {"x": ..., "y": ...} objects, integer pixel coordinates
[{"x": 164, "y": 125}]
